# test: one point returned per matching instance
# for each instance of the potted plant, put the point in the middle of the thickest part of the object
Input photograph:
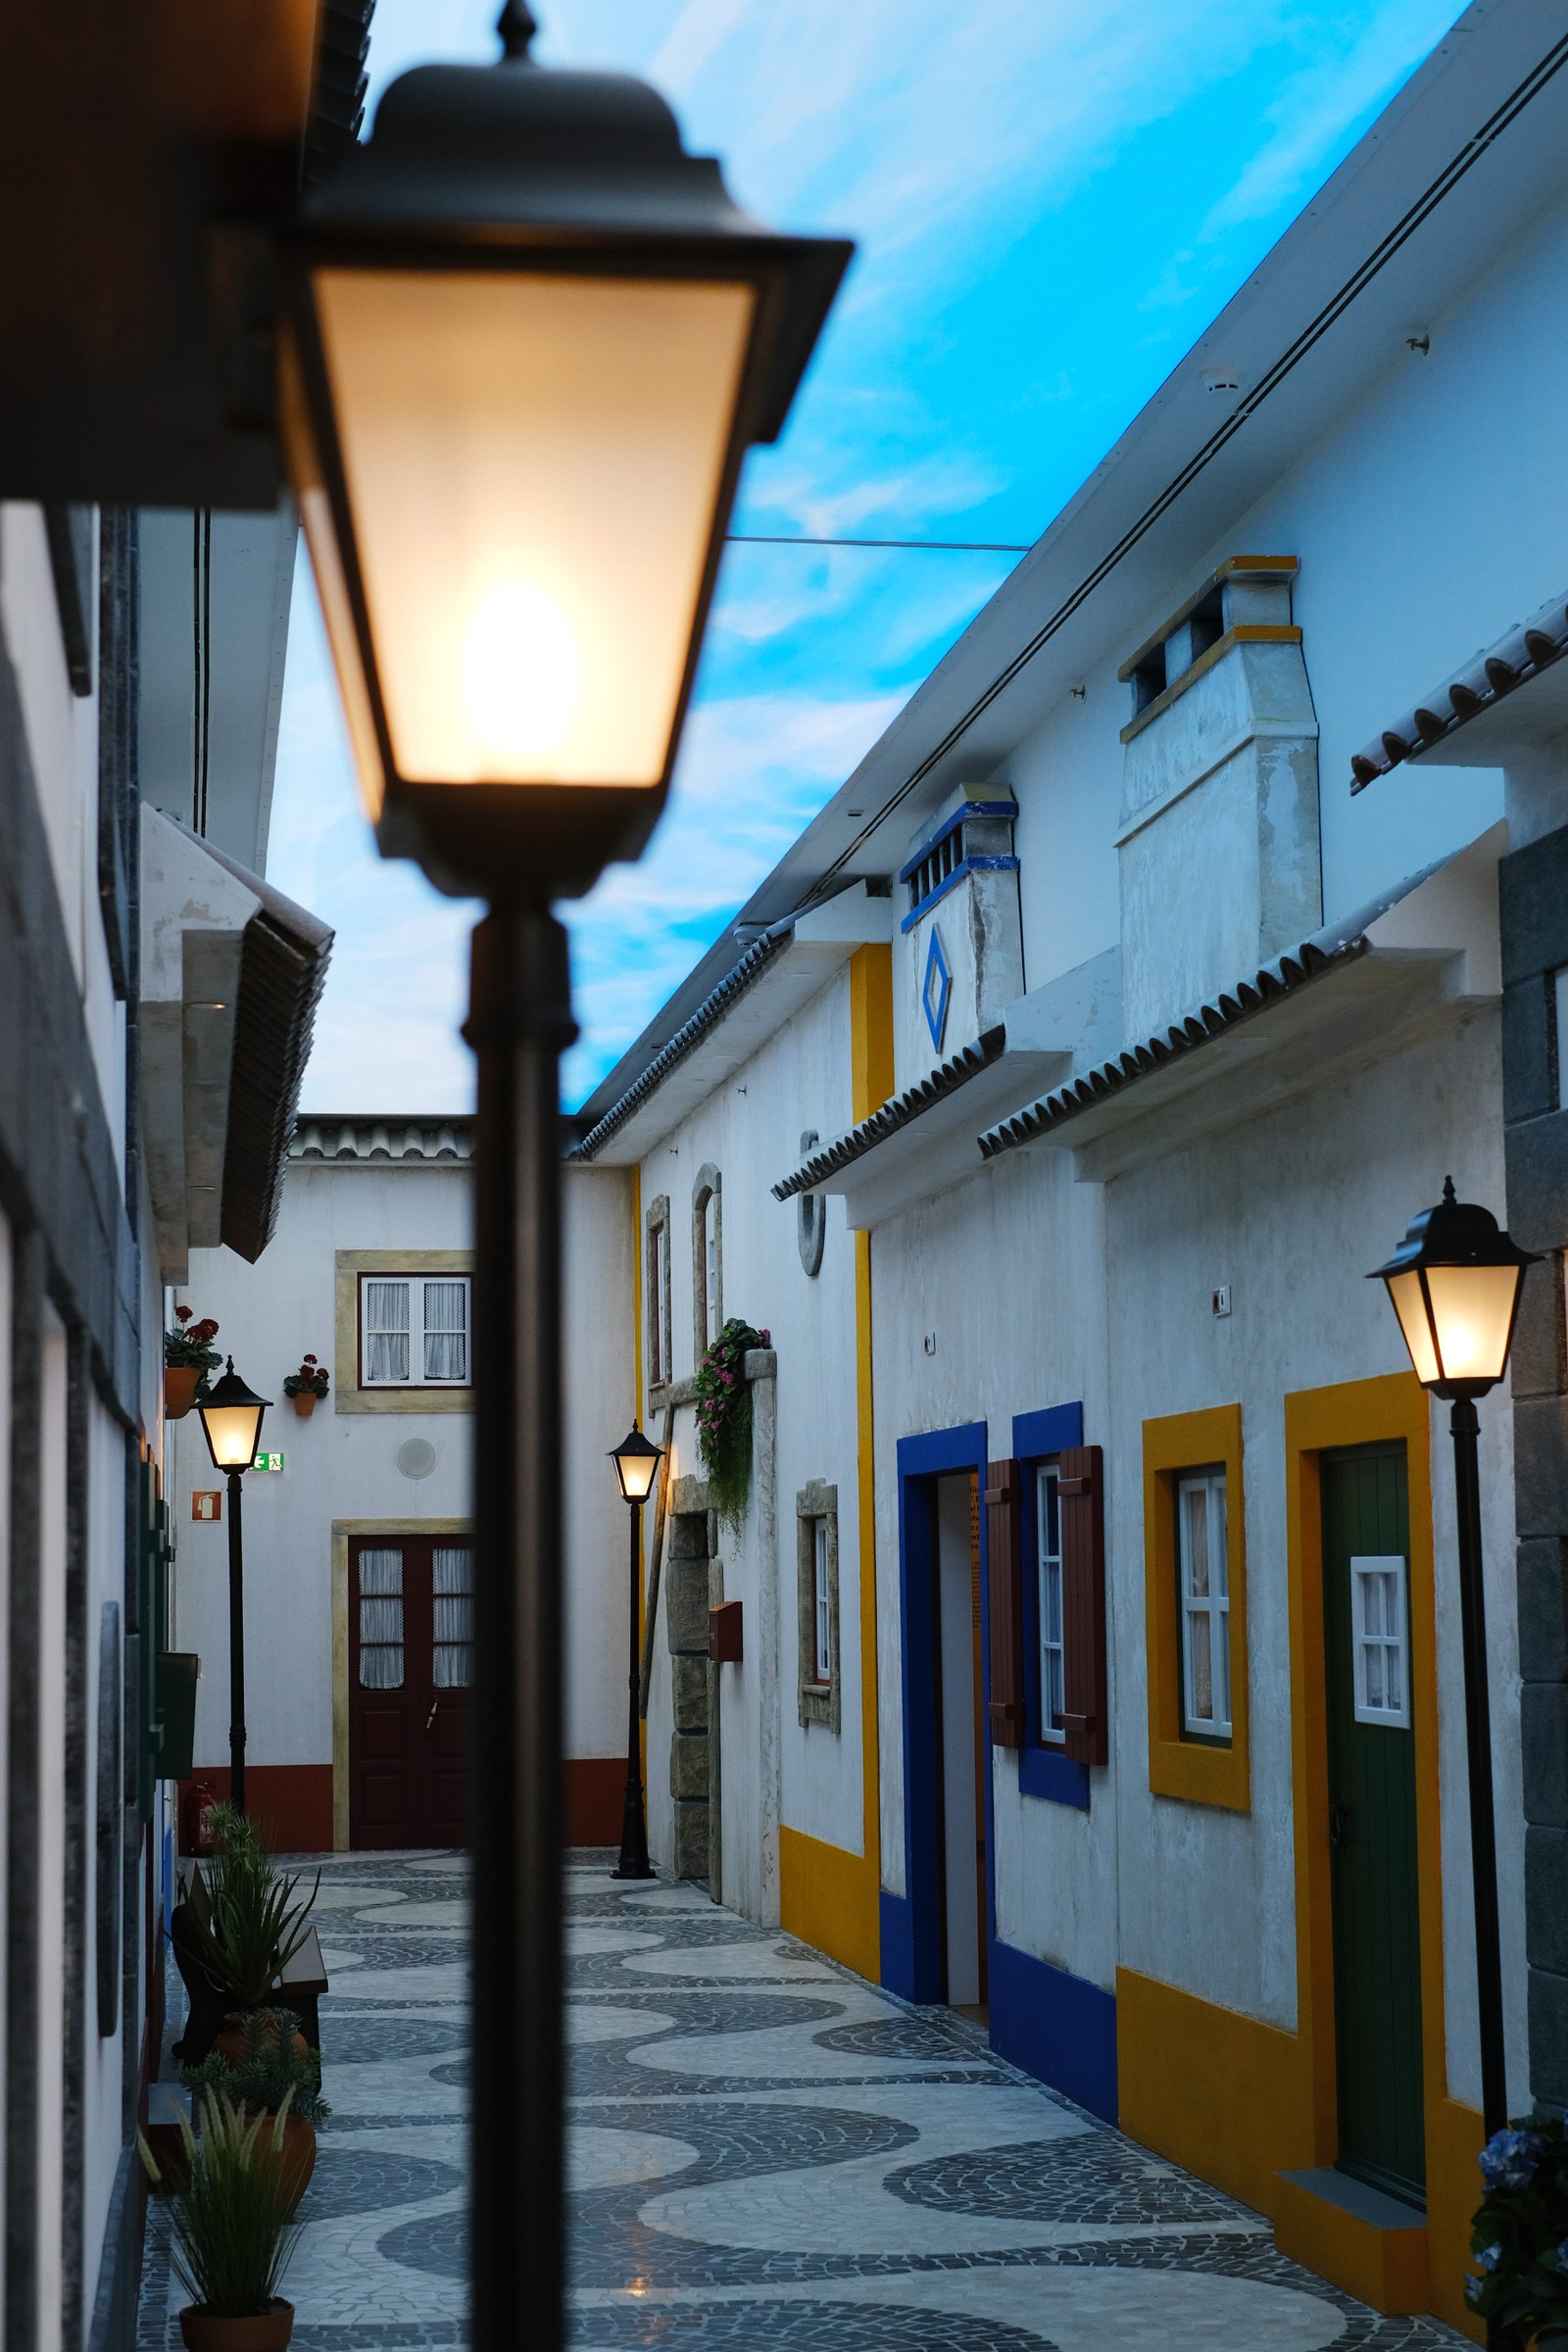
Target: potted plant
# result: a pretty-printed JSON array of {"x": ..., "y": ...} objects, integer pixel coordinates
[
  {"x": 272, "y": 2072},
  {"x": 306, "y": 1385},
  {"x": 724, "y": 1418},
  {"x": 1520, "y": 2235},
  {"x": 238, "y": 1932},
  {"x": 232, "y": 2240},
  {"x": 188, "y": 1357}
]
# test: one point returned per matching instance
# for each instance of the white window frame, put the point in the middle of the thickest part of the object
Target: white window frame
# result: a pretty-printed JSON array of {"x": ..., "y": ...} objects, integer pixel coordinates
[
  {"x": 1048, "y": 1581},
  {"x": 417, "y": 1284},
  {"x": 823, "y": 1606},
  {"x": 1212, "y": 1606},
  {"x": 661, "y": 1349},
  {"x": 710, "y": 1248},
  {"x": 1375, "y": 1573}
]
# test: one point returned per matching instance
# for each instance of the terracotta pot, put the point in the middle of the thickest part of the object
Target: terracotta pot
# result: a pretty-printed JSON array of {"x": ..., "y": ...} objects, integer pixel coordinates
[
  {"x": 305, "y": 1402},
  {"x": 180, "y": 1383},
  {"x": 295, "y": 2160},
  {"x": 230, "y": 2040},
  {"x": 267, "y": 2332}
]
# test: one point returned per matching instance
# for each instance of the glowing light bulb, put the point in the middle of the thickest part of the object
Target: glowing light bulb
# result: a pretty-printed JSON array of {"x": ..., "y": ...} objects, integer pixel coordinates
[
  {"x": 522, "y": 672},
  {"x": 1459, "y": 1349}
]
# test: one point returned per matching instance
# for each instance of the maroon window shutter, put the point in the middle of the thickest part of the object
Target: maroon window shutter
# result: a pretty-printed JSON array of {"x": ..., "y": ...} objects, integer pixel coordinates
[
  {"x": 1004, "y": 1561},
  {"x": 1082, "y": 1497}
]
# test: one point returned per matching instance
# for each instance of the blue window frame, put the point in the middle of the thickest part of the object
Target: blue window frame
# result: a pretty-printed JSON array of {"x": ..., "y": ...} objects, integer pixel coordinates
[{"x": 1043, "y": 1770}]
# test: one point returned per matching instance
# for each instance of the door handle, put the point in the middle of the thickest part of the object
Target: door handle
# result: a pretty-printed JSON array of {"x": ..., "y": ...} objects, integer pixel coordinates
[
  {"x": 430, "y": 1718},
  {"x": 1339, "y": 1823}
]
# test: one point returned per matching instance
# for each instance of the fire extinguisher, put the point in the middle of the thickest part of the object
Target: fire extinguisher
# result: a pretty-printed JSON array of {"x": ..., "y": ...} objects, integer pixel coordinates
[{"x": 200, "y": 1799}]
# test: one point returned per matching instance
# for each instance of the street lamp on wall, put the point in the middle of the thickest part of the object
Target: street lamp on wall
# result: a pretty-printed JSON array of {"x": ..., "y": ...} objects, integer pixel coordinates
[
  {"x": 636, "y": 1459},
  {"x": 231, "y": 1415},
  {"x": 1454, "y": 1282},
  {"x": 524, "y": 342}
]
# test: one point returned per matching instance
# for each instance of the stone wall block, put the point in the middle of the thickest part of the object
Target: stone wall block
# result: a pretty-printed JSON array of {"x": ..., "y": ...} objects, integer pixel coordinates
[
  {"x": 1544, "y": 1609},
  {"x": 1536, "y": 1362},
  {"x": 1538, "y": 1181},
  {"x": 1533, "y": 907},
  {"x": 1548, "y": 2037},
  {"x": 1547, "y": 1899},
  {"x": 689, "y": 1693},
  {"x": 686, "y": 1605},
  {"x": 1541, "y": 1464},
  {"x": 1543, "y": 1739},
  {"x": 1527, "y": 1089},
  {"x": 691, "y": 1838},
  {"x": 688, "y": 1765},
  {"x": 687, "y": 1495},
  {"x": 688, "y": 1536}
]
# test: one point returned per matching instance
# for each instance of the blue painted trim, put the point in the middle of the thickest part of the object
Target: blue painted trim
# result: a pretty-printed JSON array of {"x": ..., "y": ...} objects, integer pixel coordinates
[
  {"x": 1043, "y": 1770},
  {"x": 949, "y": 824},
  {"x": 899, "y": 1974},
  {"x": 1057, "y": 2026},
  {"x": 966, "y": 865},
  {"x": 936, "y": 961},
  {"x": 916, "y": 1954}
]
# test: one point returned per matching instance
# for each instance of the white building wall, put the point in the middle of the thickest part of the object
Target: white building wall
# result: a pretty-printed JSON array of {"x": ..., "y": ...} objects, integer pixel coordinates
[{"x": 600, "y": 1374}]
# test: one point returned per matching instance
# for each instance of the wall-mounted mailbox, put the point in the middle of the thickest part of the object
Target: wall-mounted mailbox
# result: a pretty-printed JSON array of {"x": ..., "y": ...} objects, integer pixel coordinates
[
  {"x": 175, "y": 1675},
  {"x": 724, "y": 1634}
]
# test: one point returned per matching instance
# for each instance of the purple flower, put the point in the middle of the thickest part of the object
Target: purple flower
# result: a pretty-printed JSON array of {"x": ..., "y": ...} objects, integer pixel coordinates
[
  {"x": 1510, "y": 2158},
  {"x": 1490, "y": 2257},
  {"x": 1561, "y": 2258}
]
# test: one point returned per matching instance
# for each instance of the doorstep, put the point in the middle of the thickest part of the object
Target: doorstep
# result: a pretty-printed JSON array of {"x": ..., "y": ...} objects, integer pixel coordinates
[{"x": 1353, "y": 2236}]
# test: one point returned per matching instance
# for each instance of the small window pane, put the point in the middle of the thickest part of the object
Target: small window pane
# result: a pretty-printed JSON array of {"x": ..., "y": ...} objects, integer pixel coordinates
[
  {"x": 1205, "y": 1664},
  {"x": 1052, "y": 1655},
  {"x": 1378, "y": 1637},
  {"x": 382, "y": 1620},
  {"x": 822, "y": 1594},
  {"x": 446, "y": 1331},
  {"x": 452, "y": 1583}
]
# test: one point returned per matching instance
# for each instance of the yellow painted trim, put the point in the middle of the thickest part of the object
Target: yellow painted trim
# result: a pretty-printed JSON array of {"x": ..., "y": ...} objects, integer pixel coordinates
[
  {"x": 1387, "y": 2267},
  {"x": 823, "y": 1899},
  {"x": 1193, "y": 1769},
  {"x": 342, "y": 1528},
  {"x": 348, "y": 1396},
  {"x": 1222, "y": 2093},
  {"x": 1234, "y": 567},
  {"x": 827, "y": 1895},
  {"x": 1368, "y": 1412}
]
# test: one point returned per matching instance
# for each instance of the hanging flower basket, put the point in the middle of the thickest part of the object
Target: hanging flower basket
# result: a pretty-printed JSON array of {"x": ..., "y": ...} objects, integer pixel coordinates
[
  {"x": 188, "y": 1357},
  {"x": 306, "y": 1386},
  {"x": 724, "y": 1418}
]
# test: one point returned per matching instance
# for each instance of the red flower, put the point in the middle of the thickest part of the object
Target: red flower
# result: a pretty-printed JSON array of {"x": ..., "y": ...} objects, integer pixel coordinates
[
  {"x": 310, "y": 1359},
  {"x": 182, "y": 1314}
]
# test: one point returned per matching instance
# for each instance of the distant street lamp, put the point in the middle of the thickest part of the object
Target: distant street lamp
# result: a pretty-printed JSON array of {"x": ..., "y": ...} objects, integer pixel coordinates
[
  {"x": 524, "y": 340},
  {"x": 636, "y": 1459},
  {"x": 231, "y": 1422},
  {"x": 1454, "y": 1282}
]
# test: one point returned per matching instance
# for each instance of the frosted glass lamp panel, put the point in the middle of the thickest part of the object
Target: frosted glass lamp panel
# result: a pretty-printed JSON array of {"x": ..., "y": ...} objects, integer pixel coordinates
[
  {"x": 534, "y": 465},
  {"x": 1410, "y": 1305},
  {"x": 232, "y": 1434},
  {"x": 1380, "y": 1631},
  {"x": 382, "y": 1620},
  {"x": 446, "y": 1331},
  {"x": 452, "y": 1588},
  {"x": 1472, "y": 1307},
  {"x": 386, "y": 1334}
]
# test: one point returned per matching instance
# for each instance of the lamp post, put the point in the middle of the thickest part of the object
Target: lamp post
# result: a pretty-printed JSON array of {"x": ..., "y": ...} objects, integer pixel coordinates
[
  {"x": 524, "y": 342},
  {"x": 1454, "y": 1282},
  {"x": 636, "y": 1459},
  {"x": 231, "y": 1422}
]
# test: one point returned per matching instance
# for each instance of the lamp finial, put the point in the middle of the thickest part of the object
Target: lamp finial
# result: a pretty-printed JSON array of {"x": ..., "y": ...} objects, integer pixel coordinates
[
  {"x": 516, "y": 25},
  {"x": 1448, "y": 1189}
]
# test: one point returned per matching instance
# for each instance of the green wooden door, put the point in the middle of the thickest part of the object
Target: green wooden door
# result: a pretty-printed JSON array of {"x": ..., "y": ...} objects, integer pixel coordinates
[{"x": 1377, "y": 1958}]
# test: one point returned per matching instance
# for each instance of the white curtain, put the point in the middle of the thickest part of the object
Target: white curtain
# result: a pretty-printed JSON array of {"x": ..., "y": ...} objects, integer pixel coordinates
[
  {"x": 382, "y": 1620},
  {"x": 452, "y": 1581},
  {"x": 446, "y": 1331},
  {"x": 386, "y": 1332}
]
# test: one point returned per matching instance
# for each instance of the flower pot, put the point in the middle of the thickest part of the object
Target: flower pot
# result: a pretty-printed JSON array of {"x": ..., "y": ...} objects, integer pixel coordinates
[
  {"x": 295, "y": 2160},
  {"x": 230, "y": 2040},
  {"x": 264, "y": 2332},
  {"x": 180, "y": 1383},
  {"x": 305, "y": 1402}
]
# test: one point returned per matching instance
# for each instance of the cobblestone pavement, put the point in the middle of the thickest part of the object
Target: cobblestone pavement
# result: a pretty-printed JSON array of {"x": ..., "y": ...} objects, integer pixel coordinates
[{"x": 763, "y": 2151}]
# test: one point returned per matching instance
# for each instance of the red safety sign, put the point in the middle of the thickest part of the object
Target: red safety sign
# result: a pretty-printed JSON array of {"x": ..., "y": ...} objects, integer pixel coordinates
[{"x": 207, "y": 1506}]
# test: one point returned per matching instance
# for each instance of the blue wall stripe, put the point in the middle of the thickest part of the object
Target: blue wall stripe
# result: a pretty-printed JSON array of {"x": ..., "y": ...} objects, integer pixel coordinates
[{"x": 1057, "y": 2026}]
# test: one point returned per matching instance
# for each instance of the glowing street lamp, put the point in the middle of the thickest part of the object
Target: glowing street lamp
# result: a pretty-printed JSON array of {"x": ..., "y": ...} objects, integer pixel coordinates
[
  {"x": 636, "y": 1459},
  {"x": 1454, "y": 1282},
  {"x": 231, "y": 1421}
]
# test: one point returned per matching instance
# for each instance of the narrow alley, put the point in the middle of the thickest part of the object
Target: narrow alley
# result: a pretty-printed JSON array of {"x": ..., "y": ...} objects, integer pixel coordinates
[{"x": 763, "y": 2151}]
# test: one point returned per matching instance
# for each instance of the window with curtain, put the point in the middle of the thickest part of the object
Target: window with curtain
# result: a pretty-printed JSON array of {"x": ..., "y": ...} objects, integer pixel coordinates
[
  {"x": 823, "y": 1602},
  {"x": 1047, "y": 1569},
  {"x": 381, "y": 1619},
  {"x": 452, "y": 1588},
  {"x": 415, "y": 1330},
  {"x": 1205, "y": 1604}
]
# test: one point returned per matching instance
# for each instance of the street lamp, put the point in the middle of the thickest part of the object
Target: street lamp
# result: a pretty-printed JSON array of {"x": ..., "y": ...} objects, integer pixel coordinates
[
  {"x": 636, "y": 1459},
  {"x": 524, "y": 342},
  {"x": 231, "y": 1422},
  {"x": 1454, "y": 1282}
]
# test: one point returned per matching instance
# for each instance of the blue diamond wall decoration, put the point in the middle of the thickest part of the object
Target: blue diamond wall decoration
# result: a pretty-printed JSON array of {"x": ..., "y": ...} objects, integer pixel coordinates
[{"x": 937, "y": 991}]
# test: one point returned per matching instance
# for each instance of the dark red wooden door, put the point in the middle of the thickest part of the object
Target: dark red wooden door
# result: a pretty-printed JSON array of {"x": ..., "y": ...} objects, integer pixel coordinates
[{"x": 411, "y": 1664}]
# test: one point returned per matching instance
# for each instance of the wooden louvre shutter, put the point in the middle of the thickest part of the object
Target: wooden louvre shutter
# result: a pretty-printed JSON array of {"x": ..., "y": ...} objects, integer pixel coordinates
[
  {"x": 1004, "y": 1557},
  {"x": 1081, "y": 1491}
]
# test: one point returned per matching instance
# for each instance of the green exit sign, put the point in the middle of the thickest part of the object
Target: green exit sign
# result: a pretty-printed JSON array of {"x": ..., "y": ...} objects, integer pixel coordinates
[{"x": 268, "y": 1461}]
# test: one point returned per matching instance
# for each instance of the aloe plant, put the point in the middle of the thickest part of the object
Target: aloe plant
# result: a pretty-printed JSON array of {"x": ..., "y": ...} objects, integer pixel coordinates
[
  {"x": 229, "y": 2214},
  {"x": 252, "y": 1926}
]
